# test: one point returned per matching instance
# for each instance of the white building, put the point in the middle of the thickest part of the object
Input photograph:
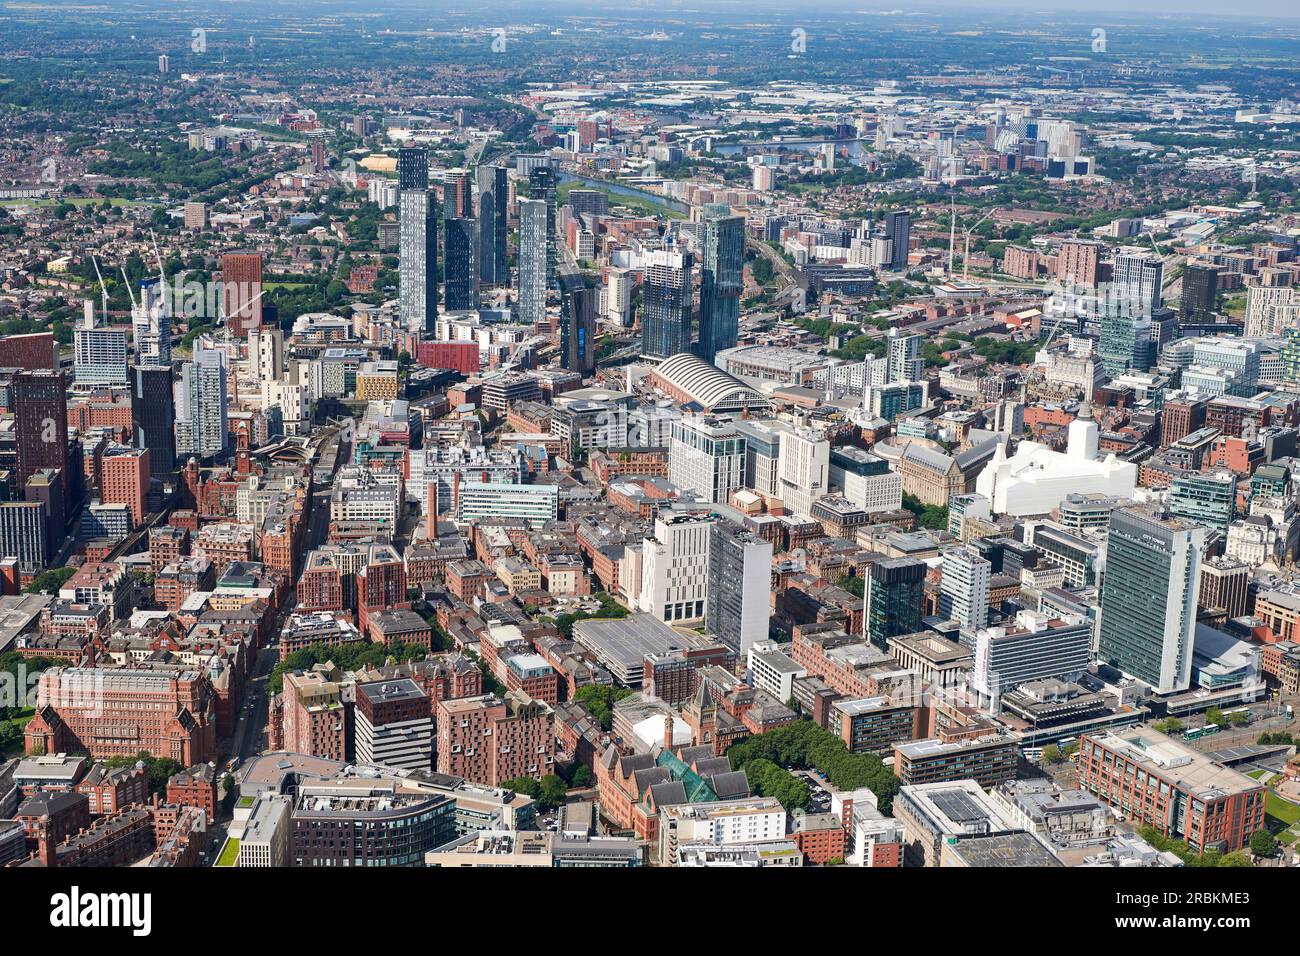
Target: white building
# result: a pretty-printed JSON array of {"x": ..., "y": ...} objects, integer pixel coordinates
[
  {"x": 675, "y": 568},
  {"x": 964, "y": 589},
  {"x": 707, "y": 456},
  {"x": 804, "y": 469},
  {"x": 1037, "y": 479}
]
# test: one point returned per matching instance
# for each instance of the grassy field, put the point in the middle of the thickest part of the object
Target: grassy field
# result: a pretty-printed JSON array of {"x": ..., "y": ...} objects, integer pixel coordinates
[{"x": 229, "y": 853}]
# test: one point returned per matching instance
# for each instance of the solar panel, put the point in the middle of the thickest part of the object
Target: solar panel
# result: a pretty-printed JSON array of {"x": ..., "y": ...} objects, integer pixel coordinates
[{"x": 957, "y": 806}]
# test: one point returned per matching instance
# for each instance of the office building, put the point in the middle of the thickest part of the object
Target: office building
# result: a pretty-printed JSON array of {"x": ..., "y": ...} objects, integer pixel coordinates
[
  {"x": 578, "y": 330},
  {"x": 1035, "y": 646},
  {"x": 675, "y": 568},
  {"x": 393, "y": 725},
  {"x": 1208, "y": 498},
  {"x": 367, "y": 823},
  {"x": 1179, "y": 791},
  {"x": 738, "y": 605},
  {"x": 964, "y": 591},
  {"x": 1200, "y": 293},
  {"x": 1148, "y": 598},
  {"x": 895, "y": 591},
  {"x": 99, "y": 358},
  {"x": 151, "y": 326},
  {"x": 707, "y": 456},
  {"x": 153, "y": 413}
]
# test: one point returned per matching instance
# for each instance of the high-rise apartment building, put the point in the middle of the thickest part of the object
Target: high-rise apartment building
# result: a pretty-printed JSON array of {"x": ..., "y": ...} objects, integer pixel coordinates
[
  {"x": 460, "y": 274},
  {"x": 1200, "y": 292},
  {"x": 241, "y": 291},
  {"x": 40, "y": 422},
  {"x": 493, "y": 216},
  {"x": 722, "y": 267},
  {"x": 1079, "y": 262},
  {"x": 905, "y": 362},
  {"x": 675, "y": 568},
  {"x": 898, "y": 230},
  {"x": 394, "y": 726},
  {"x": 418, "y": 241},
  {"x": 542, "y": 187},
  {"x": 99, "y": 358},
  {"x": 532, "y": 261},
  {"x": 666, "y": 304},
  {"x": 200, "y": 401},
  {"x": 489, "y": 741},
  {"x": 125, "y": 480}
]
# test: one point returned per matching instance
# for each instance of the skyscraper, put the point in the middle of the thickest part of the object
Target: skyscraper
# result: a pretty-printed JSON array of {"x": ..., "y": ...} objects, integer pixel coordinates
[
  {"x": 456, "y": 195},
  {"x": 1137, "y": 279},
  {"x": 418, "y": 245},
  {"x": 542, "y": 184},
  {"x": 1148, "y": 597},
  {"x": 151, "y": 326},
  {"x": 666, "y": 304},
  {"x": 241, "y": 291},
  {"x": 1200, "y": 291},
  {"x": 99, "y": 353},
  {"x": 532, "y": 261},
  {"x": 154, "y": 415},
  {"x": 898, "y": 230},
  {"x": 738, "y": 604},
  {"x": 201, "y": 404},
  {"x": 964, "y": 591},
  {"x": 460, "y": 277},
  {"x": 578, "y": 330},
  {"x": 722, "y": 266},
  {"x": 905, "y": 362},
  {"x": 894, "y": 595},
  {"x": 40, "y": 422},
  {"x": 493, "y": 269}
]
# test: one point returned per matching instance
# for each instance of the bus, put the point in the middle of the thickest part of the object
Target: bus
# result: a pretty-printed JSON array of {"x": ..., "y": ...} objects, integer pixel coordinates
[{"x": 1199, "y": 732}]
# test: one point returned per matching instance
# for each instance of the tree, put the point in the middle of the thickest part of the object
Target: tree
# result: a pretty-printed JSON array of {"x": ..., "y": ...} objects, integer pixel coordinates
[
  {"x": 1238, "y": 719},
  {"x": 1263, "y": 843},
  {"x": 1171, "y": 725},
  {"x": 552, "y": 792},
  {"x": 582, "y": 776},
  {"x": 1052, "y": 754},
  {"x": 1214, "y": 716}
]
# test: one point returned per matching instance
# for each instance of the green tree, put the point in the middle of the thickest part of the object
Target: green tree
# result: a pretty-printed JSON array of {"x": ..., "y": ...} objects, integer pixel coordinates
[
  {"x": 1052, "y": 754},
  {"x": 1214, "y": 716},
  {"x": 1263, "y": 843},
  {"x": 552, "y": 791}
]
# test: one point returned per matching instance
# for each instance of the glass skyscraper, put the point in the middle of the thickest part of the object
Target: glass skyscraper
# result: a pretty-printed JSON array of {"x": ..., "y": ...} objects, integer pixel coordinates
[
  {"x": 460, "y": 278},
  {"x": 722, "y": 266},
  {"x": 1148, "y": 598},
  {"x": 418, "y": 244},
  {"x": 532, "y": 261},
  {"x": 493, "y": 269},
  {"x": 542, "y": 185},
  {"x": 666, "y": 304}
]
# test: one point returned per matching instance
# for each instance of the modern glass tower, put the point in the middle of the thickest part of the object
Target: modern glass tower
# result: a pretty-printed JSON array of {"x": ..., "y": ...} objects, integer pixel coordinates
[
  {"x": 542, "y": 184},
  {"x": 532, "y": 261},
  {"x": 493, "y": 268},
  {"x": 898, "y": 230},
  {"x": 460, "y": 277},
  {"x": 578, "y": 330},
  {"x": 666, "y": 304},
  {"x": 418, "y": 244},
  {"x": 722, "y": 266},
  {"x": 894, "y": 596},
  {"x": 1148, "y": 598},
  {"x": 154, "y": 416}
]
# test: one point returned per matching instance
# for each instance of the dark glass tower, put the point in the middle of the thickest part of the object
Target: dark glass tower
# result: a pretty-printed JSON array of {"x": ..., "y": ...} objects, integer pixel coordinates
[
  {"x": 542, "y": 184},
  {"x": 418, "y": 246},
  {"x": 578, "y": 330},
  {"x": 460, "y": 279},
  {"x": 493, "y": 268},
  {"x": 722, "y": 266},
  {"x": 898, "y": 230},
  {"x": 1200, "y": 291},
  {"x": 666, "y": 305},
  {"x": 154, "y": 416}
]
